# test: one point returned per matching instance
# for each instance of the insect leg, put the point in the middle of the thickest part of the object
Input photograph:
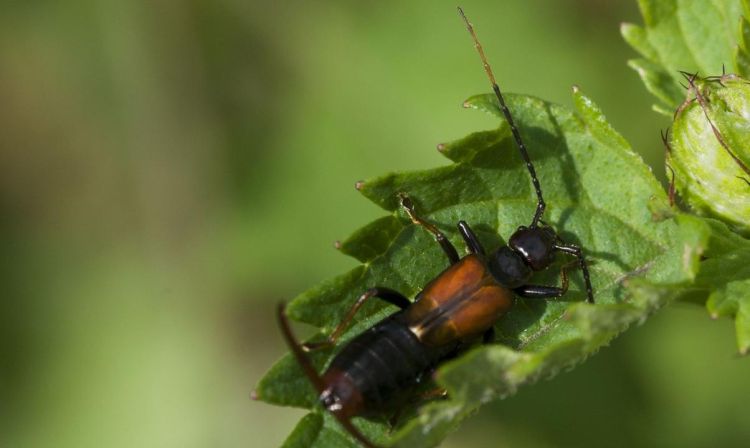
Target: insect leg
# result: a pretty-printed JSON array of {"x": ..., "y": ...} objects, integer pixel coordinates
[
  {"x": 576, "y": 252},
  {"x": 389, "y": 295},
  {"x": 448, "y": 248},
  {"x": 545, "y": 292},
  {"x": 471, "y": 239}
]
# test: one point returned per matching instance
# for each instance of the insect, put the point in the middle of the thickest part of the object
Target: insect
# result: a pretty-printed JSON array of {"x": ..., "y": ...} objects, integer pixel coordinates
[{"x": 457, "y": 308}]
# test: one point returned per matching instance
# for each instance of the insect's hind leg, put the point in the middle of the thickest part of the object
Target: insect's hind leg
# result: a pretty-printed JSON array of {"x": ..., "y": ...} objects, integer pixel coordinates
[
  {"x": 448, "y": 248},
  {"x": 386, "y": 294}
]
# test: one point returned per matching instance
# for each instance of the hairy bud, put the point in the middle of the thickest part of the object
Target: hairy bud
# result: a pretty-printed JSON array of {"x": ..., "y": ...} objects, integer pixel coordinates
[{"x": 710, "y": 148}]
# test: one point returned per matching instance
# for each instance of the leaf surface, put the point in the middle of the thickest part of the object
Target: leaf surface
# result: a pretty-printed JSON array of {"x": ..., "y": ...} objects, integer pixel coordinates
[{"x": 723, "y": 281}]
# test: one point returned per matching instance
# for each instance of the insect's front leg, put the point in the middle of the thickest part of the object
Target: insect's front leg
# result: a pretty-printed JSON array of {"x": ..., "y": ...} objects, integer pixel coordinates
[
  {"x": 546, "y": 292},
  {"x": 470, "y": 238}
]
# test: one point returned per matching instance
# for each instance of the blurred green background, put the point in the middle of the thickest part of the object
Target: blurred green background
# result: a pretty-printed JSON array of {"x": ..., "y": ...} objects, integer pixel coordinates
[{"x": 170, "y": 170}]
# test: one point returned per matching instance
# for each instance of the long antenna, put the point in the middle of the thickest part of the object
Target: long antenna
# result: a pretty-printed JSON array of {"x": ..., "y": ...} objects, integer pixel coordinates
[{"x": 540, "y": 205}]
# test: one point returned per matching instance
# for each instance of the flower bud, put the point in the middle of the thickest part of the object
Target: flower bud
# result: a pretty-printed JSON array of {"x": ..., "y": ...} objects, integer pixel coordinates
[{"x": 710, "y": 149}]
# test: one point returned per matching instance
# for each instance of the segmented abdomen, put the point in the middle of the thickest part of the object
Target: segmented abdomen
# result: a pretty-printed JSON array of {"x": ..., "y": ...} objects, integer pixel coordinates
[{"x": 385, "y": 360}]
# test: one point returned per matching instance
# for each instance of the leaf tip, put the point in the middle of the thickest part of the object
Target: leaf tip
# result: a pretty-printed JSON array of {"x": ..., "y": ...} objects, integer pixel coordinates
[
  {"x": 637, "y": 65},
  {"x": 576, "y": 89},
  {"x": 744, "y": 351},
  {"x": 337, "y": 245},
  {"x": 467, "y": 104},
  {"x": 359, "y": 184},
  {"x": 254, "y": 395},
  {"x": 441, "y": 147}
]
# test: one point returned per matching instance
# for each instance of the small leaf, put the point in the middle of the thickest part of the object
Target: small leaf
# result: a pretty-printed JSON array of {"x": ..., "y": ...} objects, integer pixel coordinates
[
  {"x": 598, "y": 193},
  {"x": 373, "y": 239},
  {"x": 285, "y": 384},
  {"x": 660, "y": 83},
  {"x": 694, "y": 36},
  {"x": 637, "y": 37},
  {"x": 724, "y": 278}
]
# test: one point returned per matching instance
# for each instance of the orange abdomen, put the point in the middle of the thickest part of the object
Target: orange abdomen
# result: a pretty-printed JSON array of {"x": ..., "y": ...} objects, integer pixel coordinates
[{"x": 461, "y": 303}]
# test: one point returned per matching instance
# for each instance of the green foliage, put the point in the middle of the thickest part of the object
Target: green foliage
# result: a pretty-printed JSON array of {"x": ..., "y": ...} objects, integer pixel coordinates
[
  {"x": 701, "y": 36},
  {"x": 709, "y": 158},
  {"x": 600, "y": 195},
  {"x": 724, "y": 278}
]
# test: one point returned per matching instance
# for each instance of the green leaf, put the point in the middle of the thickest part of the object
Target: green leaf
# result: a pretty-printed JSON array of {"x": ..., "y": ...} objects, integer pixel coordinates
[
  {"x": 742, "y": 55},
  {"x": 691, "y": 36},
  {"x": 724, "y": 278},
  {"x": 599, "y": 194}
]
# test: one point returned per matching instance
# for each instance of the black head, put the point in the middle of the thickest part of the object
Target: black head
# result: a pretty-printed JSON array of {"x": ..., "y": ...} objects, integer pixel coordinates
[
  {"x": 529, "y": 249},
  {"x": 536, "y": 245}
]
